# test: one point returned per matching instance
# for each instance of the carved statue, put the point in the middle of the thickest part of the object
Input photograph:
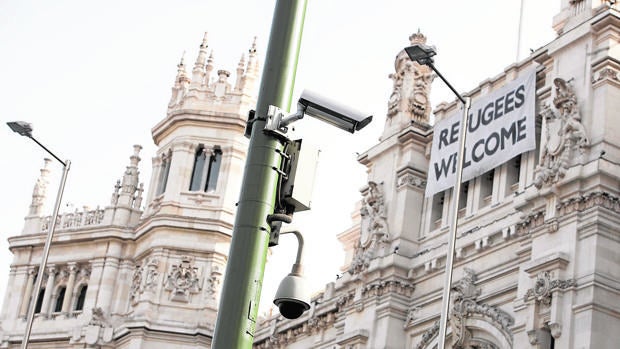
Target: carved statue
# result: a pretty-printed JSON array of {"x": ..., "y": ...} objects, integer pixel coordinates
[
  {"x": 411, "y": 86},
  {"x": 564, "y": 133},
  {"x": 374, "y": 211}
]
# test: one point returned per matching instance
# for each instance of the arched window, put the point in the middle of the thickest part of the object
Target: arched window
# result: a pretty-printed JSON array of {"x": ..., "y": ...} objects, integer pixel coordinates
[
  {"x": 79, "y": 304},
  {"x": 37, "y": 307},
  {"x": 206, "y": 170},
  {"x": 60, "y": 299},
  {"x": 165, "y": 170}
]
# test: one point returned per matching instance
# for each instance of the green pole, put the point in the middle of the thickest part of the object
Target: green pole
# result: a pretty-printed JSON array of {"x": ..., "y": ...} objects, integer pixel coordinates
[{"x": 238, "y": 309}]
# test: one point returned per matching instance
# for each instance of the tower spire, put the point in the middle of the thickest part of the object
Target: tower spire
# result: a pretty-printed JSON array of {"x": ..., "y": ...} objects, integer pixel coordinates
[
  {"x": 40, "y": 190},
  {"x": 240, "y": 71},
  {"x": 209, "y": 69},
  {"x": 252, "y": 69},
  {"x": 129, "y": 184},
  {"x": 198, "y": 73},
  {"x": 181, "y": 83}
]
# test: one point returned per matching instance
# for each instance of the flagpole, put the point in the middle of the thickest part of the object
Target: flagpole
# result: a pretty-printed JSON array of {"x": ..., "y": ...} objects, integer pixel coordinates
[{"x": 520, "y": 33}]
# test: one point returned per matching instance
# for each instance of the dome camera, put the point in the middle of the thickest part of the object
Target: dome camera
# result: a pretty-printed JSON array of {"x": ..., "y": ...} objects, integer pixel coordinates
[{"x": 292, "y": 297}]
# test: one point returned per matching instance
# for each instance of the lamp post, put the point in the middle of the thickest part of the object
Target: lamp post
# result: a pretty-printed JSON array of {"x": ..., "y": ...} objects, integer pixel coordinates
[
  {"x": 423, "y": 54},
  {"x": 25, "y": 129}
]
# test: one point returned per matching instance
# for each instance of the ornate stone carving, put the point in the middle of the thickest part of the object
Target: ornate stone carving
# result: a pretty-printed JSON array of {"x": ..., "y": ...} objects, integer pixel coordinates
[
  {"x": 374, "y": 228},
  {"x": 411, "y": 86},
  {"x": 388, "y": 286},
  {"x": 361, "y": 259},
  {"x": 428, "y": 335},
  {"x": 183, "y": 280},
  {"x": 374, "y": 216},
  {"x": 544, "y": 286},
  {"x": 564, "y": 133},
  {"x": 411, "y": 315},
  {"x": 606, "y": 74},
  {"x": 213, "y": 282},
  {"x": 98, "y": 318},
  {"x": 410, "y": 179},
  {"x": 465, "y": 305},
  {"x": 145, "y": 278},
  {"x": 584, "y": 202},
  {"x": 529, "y": 222},
  {"x": 312, "y": 326}
]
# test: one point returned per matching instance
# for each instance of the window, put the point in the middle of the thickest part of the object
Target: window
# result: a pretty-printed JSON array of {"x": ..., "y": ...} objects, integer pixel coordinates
[
  {"x": 60, "y": 299},
  {"x": 463, "y": 195},
  {"x": 206, "y": 170},
  {"x": 79, "y": 304},
  {"x": 486, "y": 188},
  {"x": 37, "y": 307},
  {"x": 437, "y": 210},
  {"x": 513, "y": 175},
  {"x": 165, "y": 170}
]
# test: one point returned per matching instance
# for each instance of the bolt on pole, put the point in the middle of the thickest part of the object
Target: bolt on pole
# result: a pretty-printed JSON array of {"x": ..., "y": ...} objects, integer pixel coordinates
[{"x": 240, "y": 297}]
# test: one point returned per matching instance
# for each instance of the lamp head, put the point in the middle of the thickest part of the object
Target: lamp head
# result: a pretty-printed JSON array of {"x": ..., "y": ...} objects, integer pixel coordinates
[
  {"x": 421, "y": 53},
  {"x": 21, "y": 127}
]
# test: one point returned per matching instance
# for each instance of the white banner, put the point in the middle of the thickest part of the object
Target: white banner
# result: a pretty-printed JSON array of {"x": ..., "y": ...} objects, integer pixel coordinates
[{"x": 501, "y": 126}]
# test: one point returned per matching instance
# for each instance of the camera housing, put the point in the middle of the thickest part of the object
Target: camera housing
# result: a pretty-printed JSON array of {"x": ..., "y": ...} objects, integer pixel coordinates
[
  {"x": 293, "y": 297},
  {"x": 332, "y": 112}
]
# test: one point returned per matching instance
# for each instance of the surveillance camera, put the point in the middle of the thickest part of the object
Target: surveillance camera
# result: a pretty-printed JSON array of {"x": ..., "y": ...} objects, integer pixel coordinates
[
  {"x": 292, "y": 297},
  {"x": 332, "y": 112}
]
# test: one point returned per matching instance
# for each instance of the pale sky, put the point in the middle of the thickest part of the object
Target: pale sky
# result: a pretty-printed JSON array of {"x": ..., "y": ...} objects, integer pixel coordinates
[{"x": 94, "y": 77}]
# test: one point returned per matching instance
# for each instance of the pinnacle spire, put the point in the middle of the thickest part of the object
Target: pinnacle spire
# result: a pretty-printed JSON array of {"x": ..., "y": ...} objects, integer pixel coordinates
[
  {"x": 252, "y": 61},
  {"x": 209, "y": 68},
  {"x": 129, "y": 184},
  {"x": 40, "y": 189},
  {"x": 198, "y": 73},
  {"x": 181, "y": 72}
]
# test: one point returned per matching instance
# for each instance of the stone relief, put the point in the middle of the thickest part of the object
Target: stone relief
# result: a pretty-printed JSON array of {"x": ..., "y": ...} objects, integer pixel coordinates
[
  {"x": 465, "y": 305},
  {"x": 412, "y": 180},
  {"x": 564, "y": 133},
  {"x": 213, "y": 282},
  {"x": 374, "y": 216},
  {"x": 314, "y": 325},
  {"x": 544, "y": 286},
  {"x": 182, "y": 280},
  {"x": 374, "y": 228},
  {"x": 145, "y": 278},
  {"x": 584, "y": 202}
]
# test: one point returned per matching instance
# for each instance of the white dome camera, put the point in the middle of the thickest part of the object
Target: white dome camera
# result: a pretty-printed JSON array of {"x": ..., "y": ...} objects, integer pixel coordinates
[{"x": 292, "y": 297}]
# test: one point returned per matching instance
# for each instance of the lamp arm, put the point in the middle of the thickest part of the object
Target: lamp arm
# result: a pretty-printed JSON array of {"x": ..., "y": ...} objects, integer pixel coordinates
[
  {"x": 48, "y": 151},
  {"x": 430, "y": 64}
]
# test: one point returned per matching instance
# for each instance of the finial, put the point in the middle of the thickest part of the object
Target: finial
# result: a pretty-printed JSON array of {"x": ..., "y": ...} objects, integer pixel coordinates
[
  {"x": 417, "y": 38},
  {"x": 204, "y": 41},
  {"x": 252, "y": 49},
  {"x": 182, "y": 61}
]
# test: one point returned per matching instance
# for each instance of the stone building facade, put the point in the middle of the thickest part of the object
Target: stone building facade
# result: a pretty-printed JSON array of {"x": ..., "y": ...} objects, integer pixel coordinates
[
  {"x": 126, "y": 277},
  {"x": 536, "y": 262}
]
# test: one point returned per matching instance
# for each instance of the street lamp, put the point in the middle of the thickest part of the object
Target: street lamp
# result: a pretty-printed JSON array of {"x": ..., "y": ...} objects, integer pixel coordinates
[
  {"x": 25, "y": 129},
  {"x": 423, "y": 54}
]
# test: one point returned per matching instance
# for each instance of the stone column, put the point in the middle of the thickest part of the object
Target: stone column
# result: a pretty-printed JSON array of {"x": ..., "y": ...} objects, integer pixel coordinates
[
  {"x": 66, "y": 302},
  {"x": 51, "y": 275},
  {"x": 26, "y": 299}
]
